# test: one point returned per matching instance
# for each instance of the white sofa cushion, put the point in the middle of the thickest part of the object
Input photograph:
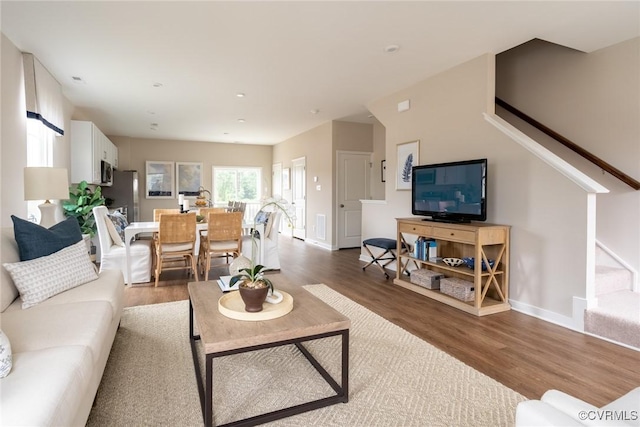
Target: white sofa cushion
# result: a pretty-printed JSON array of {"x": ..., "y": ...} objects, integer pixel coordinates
[
  {"x": 83, "y": 324},
  {"x": 45, "y": 386},
  {"x": 44, "y": 277},
  {"x": 8, "y": 254},
  {"x": 5, "y": 355}
]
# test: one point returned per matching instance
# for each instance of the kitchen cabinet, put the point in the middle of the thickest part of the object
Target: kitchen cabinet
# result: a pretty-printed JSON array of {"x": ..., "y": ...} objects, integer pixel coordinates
[{"x": 89, "y": 147}]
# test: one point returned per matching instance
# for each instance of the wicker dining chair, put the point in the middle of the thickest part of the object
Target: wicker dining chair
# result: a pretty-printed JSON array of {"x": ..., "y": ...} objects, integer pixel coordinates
[
  {"x": 158, "y": 212},
  {"x": 223, "y": 238},
  {"x": 176, "y": 244},
  {"x": 154, "y": 236}
]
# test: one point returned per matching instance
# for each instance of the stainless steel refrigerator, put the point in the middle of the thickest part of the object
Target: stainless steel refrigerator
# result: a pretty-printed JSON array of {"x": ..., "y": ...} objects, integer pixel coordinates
[{"x": 123, "y": 194}]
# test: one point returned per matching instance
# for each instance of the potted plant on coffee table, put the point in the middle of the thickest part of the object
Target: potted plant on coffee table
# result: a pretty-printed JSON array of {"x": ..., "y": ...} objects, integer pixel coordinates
[{"x": 253, "y": 287}]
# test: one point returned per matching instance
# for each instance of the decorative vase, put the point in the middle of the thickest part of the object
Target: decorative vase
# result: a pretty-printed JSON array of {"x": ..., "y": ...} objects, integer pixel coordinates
[{"x": 253, "y": 298}]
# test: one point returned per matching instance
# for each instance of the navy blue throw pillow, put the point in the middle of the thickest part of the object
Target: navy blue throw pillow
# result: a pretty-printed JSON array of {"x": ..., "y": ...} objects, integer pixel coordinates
[{"x": 35, "y": 241}]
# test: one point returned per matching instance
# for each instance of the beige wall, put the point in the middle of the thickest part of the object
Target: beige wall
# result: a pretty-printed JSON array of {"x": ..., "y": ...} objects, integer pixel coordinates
[
  {"x": 545, "y": 211},
  {"x": 319, "y": 146},
  {"x": 134, "y": 152},
  {"x": 14, "y": 133},
  {"x": 316, "y": 146},
  {"x": 379, "y": 154},
  {"x": 594, "y": 100}
]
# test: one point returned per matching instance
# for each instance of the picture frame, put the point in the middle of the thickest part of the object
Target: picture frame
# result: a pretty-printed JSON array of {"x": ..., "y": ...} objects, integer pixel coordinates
[
  {"x": 188, "y": 179},
  {"x": 383, "y": 170},
  {"x": 408, "y": 155},
  {"x": 160, "y": 183},
  {"x": 286, "y": 178}
]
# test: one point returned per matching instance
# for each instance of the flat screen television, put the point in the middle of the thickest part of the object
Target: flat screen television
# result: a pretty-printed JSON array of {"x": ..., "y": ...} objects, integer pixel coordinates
[{"x": 451, "y": 192}]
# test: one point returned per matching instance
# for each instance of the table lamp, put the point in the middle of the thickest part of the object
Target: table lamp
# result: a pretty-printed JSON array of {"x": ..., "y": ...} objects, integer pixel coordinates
[{"x": 42, "y": 183}]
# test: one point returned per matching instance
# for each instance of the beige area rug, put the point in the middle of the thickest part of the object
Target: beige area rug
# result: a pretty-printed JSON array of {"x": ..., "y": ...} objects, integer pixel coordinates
[{"x": 395, "y": 378}]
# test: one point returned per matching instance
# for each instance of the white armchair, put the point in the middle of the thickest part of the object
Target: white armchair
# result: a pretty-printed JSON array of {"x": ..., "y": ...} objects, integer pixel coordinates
[
  {"x": 113, "y": 255},
  {"x": 556, "y": 408},
  {"x": 264, "y": 250}
]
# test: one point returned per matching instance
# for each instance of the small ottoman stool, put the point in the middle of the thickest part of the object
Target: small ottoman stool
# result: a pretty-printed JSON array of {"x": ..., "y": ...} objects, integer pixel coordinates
[{"x": 389, "y": 246}]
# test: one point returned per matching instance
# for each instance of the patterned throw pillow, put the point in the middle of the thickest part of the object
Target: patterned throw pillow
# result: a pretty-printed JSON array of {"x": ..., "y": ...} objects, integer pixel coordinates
[
  {"x": 41, "y": 278},
  {"x": 262, "y": 217},
  {"x": 6, "y": 360},
  {"x": 35, "y": 241},
  {"x": 119, "y": 224}
]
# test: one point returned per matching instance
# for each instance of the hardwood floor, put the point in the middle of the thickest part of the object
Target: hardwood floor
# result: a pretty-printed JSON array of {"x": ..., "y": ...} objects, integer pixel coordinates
[{"x": 524, "y": 353}]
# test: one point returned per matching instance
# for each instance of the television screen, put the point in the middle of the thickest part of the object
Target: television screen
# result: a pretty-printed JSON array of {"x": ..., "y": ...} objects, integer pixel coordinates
[{"x": 453, "y": 191}]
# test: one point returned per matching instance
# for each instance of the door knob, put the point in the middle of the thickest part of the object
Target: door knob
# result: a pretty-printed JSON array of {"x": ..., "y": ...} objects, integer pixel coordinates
[{"x": 341, "y": 205}]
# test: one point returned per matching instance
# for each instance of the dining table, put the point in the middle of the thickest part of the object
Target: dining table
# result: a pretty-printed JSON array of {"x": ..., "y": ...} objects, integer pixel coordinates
[{"x": 135, "y": 228}]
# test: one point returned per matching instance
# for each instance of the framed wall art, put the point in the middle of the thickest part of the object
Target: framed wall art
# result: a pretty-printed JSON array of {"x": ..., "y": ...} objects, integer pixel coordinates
[
  {"x": 407, "y": 157},
  {"x": 188, "y": 178},
  {"x": 160, "y": 183}
]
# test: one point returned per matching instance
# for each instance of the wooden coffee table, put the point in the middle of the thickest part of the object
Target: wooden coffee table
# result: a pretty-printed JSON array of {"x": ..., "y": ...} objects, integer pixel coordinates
[{"x": 310, "y": 319}]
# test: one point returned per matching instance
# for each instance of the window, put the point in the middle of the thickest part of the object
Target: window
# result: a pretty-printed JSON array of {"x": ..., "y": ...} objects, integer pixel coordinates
[
  {"x": 236, "y": 184},
  {"x": 39, "y": 153}
]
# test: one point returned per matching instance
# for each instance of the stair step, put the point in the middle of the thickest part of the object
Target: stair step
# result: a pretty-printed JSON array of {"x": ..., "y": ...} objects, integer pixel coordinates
[
  {"x": 617, "y": 317},
  {"x": 611, "y": 279}
]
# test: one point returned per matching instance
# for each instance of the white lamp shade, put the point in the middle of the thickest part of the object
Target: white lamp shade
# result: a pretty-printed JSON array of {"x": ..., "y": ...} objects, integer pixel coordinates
[{"x": 41, "y": 183}]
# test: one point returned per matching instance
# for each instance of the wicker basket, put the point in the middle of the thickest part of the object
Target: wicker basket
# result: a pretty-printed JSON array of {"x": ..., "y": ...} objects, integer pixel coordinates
[
  {"x": 457, "y": 288},
  {"x": 426, "y": 278}
]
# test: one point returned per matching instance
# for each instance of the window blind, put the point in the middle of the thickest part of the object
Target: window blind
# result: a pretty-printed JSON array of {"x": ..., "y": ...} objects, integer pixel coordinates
[{"x": 43, "y": 94}]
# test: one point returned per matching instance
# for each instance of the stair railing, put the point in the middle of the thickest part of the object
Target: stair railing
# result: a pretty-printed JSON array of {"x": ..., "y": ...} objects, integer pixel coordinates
[{"x": 630, "y": 181}]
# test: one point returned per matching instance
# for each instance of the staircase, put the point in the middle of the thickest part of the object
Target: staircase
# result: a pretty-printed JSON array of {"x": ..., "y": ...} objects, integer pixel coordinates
[{"x": 617, "y": 316}]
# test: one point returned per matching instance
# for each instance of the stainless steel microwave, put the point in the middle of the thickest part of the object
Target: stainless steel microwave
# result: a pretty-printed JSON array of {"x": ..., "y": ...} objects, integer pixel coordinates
[{"x": 106, "y": 173}]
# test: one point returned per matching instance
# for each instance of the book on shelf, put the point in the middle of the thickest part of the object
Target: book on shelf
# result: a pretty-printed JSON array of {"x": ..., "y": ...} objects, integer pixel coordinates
[{"x": 224, "y": 282}]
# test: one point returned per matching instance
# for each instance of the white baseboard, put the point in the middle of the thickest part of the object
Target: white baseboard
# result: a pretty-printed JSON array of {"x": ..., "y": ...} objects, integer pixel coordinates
[
  {"x": 546, "y": 315},
  {"x": 320, "y": 244}
]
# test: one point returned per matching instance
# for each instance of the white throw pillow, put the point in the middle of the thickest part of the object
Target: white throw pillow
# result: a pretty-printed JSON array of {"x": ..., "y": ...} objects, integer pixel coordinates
[
  {"x": 6, "y": 360},
  {"x": 41, "y": 278}
]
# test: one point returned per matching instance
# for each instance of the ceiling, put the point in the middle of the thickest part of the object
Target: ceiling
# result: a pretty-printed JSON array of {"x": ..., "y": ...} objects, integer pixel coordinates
[{"x": 181, "y": 64}]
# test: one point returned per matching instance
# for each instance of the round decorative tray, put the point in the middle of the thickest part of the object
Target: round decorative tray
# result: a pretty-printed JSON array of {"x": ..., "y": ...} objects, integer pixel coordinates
[{"x": 232, "y": 306}]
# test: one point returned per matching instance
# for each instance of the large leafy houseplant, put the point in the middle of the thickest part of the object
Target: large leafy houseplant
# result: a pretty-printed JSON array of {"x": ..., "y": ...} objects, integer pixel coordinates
[{"x": 82, "y": 200}]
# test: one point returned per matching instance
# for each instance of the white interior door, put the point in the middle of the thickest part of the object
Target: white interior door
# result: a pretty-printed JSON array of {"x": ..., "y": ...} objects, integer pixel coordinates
[
  {"x": 299, "y": 197},
  {"x": 353, "y": 185}
]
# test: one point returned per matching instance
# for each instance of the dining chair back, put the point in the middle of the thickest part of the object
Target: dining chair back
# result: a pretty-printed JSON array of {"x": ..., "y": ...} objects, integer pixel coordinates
[
  {"x": 113, "y": 254},
  {"x": 158, "y": 212},
  {"x": 176, "y": 243},
  {"x": 205, "y": 211},
  {"x": 223, "y": 239}
]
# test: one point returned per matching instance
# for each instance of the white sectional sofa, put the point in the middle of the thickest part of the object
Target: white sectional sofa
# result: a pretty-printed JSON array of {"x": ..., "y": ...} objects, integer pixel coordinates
[
  {"x": 556, "y": 408},
  {"x": 59, "y": 347}
]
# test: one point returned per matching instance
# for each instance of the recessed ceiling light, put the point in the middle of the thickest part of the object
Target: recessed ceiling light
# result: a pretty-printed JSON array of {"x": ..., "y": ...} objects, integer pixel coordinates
[
  {"x": 392, "y": 48},
  {"x": 240, "y": 95},
  {"x": 151, "y": 112},
  {"x": 314, "y": 111},
  {"x": 226, "y": 133},
  {"x": 78, "y": 80},
  {"x": 157, "y": 84},
  {"x": 241, "y": 120}
]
